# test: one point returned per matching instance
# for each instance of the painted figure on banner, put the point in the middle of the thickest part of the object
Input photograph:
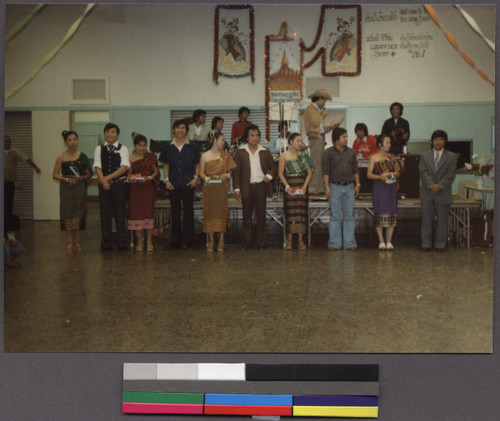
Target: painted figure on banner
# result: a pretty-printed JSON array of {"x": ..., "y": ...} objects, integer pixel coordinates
[
  {"x": 230, "y": 42},
  {"x": 234, "y": 45},
  {"x": 345, "y": 42}
]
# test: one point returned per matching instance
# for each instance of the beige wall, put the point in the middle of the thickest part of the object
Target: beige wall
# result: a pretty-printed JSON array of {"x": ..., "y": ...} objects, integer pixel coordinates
[{"x": 47, "y": 145}]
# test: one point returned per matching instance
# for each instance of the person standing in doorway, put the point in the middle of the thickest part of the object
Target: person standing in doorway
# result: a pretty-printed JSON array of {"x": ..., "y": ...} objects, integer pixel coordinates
[
  {"x": 111, "y": 162},
  {"x": 11, "y": 156}
]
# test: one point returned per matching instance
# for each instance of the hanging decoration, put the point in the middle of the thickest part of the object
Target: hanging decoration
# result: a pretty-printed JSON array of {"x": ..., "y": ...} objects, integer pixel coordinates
[
  {"x": 339, "y": 39},
  {"x": 71, "y": 31},
  {"x": 473, "y": 24},
  {"x": 283, "y": 76},
  {"x": 234, "y": 39},
  {"x": 23, "y": 22},
  {"x": 454, "y": 42}
]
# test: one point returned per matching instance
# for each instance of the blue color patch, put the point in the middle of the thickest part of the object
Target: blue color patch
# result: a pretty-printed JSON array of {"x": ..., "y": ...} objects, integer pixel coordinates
[{"x": 235, "y": 399}]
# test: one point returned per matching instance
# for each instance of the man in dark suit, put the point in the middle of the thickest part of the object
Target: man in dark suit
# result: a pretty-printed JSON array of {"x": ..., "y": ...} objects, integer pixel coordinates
[
  {"x": 437, "y": 171},
  {"x": 255, "y": 168},
  {"x": 398, "y": 128}
]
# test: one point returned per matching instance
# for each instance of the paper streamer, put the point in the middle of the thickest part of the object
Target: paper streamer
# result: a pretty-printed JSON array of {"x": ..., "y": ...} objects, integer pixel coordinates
[
  {"x": 71, "y": 31},
  {"x": 22, "y": 23},
  {"x": 453, "y": 42},
  {"x": 470, "y": 20}
]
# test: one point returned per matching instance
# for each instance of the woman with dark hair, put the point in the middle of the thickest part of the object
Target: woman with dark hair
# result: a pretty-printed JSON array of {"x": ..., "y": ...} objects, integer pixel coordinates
[
  {"x": 143, "y": 174},
  {"x": 365, "y": 144},
  {"x": 73, "y": 170},
  {"x": 217, "y": 124},
  {"x": 215, "y": 170},
  {"x": 384, "y": 168},
  {"x": 295, "y": 169}
]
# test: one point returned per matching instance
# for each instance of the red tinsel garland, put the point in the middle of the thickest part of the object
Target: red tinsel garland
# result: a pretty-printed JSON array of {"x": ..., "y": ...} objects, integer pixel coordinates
[{"x": 322, "y": 51}]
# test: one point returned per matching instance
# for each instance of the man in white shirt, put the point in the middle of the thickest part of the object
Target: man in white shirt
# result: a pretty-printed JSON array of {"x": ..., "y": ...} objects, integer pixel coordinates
[
  {"x": 111, "y": 162},
  {"x": 199, "y": 130},
  {"x": 437, "y": 169},
  {"x": 255, "y": 168}
]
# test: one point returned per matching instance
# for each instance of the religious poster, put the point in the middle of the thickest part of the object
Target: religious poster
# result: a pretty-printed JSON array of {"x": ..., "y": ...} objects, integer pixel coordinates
[
  {"x": 233, "y": 42},
  {"x": 283, "y": 76},
  {"x": 337, "y": 42}
]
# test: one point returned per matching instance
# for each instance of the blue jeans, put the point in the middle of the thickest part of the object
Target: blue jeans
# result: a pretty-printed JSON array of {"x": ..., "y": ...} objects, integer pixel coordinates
[{"x": 342, "y": 199}]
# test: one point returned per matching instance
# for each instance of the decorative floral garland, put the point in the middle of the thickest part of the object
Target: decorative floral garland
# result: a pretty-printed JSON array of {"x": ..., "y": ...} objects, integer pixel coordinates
[
  {"x": 215, "y": 73},
  {"x": 322, "y": 51}
]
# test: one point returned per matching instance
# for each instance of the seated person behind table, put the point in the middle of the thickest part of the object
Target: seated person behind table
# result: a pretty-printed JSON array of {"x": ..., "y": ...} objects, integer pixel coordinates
[
  {"x": 199, "y": 130},
  {"x": 277, "y": 144},
  {"x": 365, "y": 144}
]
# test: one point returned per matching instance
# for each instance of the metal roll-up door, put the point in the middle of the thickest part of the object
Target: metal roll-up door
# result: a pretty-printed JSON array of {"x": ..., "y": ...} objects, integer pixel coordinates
[{"x": 18, "y": 128}]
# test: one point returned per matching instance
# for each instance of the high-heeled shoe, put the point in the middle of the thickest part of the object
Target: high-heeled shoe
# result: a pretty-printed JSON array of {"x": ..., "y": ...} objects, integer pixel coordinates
[
  {"x": 302, "y": 246},
  {"x": 69, "y": 248},
  {"x": 220, "y": 246},
  {"x": 150, "y": 247},
  {"x": 210, "y": 246},
  {"x": 78, "y": 247},
  {"x": 139, "y": 247},
  {"x": 288, "y": 245}
]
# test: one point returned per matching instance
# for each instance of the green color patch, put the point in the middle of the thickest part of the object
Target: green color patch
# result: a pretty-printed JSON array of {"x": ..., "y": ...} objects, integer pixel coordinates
[{"x": 151, "y": 397}]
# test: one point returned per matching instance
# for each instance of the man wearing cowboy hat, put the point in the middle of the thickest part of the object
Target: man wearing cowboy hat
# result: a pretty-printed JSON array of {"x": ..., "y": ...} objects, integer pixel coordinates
[{"x": 314, "y": 116}]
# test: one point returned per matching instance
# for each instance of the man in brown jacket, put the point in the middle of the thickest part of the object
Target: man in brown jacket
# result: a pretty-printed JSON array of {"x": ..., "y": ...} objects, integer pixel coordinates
[
  {"x": 314, "y": 116},
  {"x": 255, "y": 168}
]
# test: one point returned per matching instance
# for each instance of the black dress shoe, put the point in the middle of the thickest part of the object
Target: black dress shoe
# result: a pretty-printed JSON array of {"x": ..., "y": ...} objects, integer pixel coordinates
[
  {"x": 426, "y": 249},
  {"x": 103, "y": 249},
  {"x": 439, "y": 250},
  {"x": 123, "y": 248}
]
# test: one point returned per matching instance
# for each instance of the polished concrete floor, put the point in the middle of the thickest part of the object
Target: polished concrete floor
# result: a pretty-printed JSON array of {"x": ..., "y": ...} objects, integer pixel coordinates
[{"x": 246, "y": 301}]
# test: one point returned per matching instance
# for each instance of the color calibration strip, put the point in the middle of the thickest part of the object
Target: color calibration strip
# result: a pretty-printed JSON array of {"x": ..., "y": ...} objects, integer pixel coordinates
[{"x": 322, "y": 390}]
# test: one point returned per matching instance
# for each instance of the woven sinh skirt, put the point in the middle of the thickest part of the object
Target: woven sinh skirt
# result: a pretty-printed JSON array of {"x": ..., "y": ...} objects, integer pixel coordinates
[
  {"x": 296, "y": 207},
  {"x": 385, "y": 204}
]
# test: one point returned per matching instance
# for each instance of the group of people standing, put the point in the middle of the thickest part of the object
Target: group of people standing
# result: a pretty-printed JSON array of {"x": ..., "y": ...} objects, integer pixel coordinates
[{"x": 252, "y": 169}]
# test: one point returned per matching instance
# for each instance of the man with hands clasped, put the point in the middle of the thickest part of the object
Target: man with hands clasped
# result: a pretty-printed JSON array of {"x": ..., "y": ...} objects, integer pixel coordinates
[
  {"x": 181, "y": 169},
  {"x": 341, "y": 180},
  {"x": 111, "y": 162}
]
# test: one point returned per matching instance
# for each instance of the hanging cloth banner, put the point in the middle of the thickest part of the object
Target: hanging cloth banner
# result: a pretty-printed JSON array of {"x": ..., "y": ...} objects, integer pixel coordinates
[
  {"x": 470, "y": 20},
  {"x": 22, "y": 23},
  {"x": 339, "y": 38},
  {"x": 453, "y": 42},
  {"x": 71, "y": 31},
  {"x": 283, "y": 74}
]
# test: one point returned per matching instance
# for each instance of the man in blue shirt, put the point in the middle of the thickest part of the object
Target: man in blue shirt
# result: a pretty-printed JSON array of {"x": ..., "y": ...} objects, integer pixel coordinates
[{"x": 181, "y": 167}]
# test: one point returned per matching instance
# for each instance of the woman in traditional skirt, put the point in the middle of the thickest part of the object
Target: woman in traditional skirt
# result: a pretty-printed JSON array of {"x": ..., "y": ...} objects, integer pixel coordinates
[
  {"x": 385, "y": 169},
  {"x": 72, "y": 169},
  {"x": 295, "y": 169},
  {"x": 215, "y": 170},
  {"x": 143, "y": 176}
]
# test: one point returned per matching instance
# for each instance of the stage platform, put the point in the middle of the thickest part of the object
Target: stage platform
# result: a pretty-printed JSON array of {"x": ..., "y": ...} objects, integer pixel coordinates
[{"x": 459, "y": 219}]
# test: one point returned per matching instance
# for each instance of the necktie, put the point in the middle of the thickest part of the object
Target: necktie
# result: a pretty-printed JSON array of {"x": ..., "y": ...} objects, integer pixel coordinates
[
  {"x": 110, "y": 148},
  {"x": 436, "y": 160}
]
